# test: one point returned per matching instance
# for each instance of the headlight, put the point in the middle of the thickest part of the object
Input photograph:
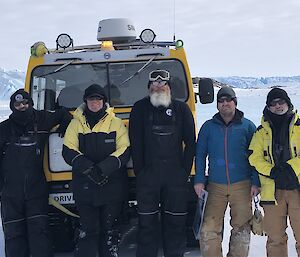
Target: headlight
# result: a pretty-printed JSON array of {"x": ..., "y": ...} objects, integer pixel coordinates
[
  {"x": 64, "y": 41},
  {"x": 147, "y": 36}
]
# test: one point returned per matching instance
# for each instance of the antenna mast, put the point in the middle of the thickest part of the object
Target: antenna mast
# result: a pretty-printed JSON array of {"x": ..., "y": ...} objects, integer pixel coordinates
[{"x": 174, "y": 7}]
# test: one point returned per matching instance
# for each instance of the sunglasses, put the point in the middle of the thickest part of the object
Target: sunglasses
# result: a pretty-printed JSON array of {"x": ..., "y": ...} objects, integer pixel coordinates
[
  {"x": 279, "y": 101},
  {"x": 159, "y": 74},
  {"x": 23, "y": 102},
  {"x": 95, "y": 98},
  {"x": 223, "y": 99}
]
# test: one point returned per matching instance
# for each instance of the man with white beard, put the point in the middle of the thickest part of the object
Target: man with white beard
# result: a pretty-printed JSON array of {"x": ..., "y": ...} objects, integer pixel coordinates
[{"x": 158, "y": 127}]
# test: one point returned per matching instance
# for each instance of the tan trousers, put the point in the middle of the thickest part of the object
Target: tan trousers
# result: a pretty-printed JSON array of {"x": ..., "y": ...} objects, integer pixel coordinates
[
  {"x": 238, "y": 197},
  {"x": 275, "y": 222}
]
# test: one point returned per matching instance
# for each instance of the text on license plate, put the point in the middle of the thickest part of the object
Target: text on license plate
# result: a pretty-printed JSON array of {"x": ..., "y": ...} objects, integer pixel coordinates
[{"x": 63, "y": 198}]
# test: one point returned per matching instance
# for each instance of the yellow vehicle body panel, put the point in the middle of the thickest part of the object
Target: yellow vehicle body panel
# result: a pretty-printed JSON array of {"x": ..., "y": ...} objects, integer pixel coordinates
[{"x": 178, "y": 54}]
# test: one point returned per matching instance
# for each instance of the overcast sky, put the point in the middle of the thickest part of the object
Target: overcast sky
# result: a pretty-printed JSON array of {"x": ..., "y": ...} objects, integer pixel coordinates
[{"x": 221, "y": 37}]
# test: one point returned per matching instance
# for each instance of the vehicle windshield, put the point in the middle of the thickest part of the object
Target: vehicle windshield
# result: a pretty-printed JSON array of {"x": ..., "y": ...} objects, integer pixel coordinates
[{"x": 51, "y": 90}]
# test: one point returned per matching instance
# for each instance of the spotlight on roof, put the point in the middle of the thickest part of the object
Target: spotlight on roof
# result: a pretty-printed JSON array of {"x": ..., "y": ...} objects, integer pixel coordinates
[
  {"x": 147, "y": 36},
  {"x": 64, "y": 41}
]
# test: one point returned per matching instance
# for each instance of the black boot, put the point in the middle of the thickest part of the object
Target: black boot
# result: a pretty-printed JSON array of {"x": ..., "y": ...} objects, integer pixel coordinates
[{"x": 110, "y": 245}]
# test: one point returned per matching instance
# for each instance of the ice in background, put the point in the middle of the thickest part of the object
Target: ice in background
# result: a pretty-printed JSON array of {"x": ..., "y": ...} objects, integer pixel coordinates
[
  {"x": 250, "y": 101},
  {"x": 4, "y": 110}
]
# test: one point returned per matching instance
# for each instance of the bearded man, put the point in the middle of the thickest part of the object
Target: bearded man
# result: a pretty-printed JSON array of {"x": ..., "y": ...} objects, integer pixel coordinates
[{"x": 158, "y": 127}]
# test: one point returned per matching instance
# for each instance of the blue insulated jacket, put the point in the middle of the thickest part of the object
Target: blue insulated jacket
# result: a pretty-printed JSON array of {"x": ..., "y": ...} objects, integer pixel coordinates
[{"x": 226, "y": 147}]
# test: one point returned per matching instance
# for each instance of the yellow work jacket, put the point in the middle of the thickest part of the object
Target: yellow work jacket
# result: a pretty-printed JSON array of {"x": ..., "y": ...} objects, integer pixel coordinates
[{"x": 261, "y": 155}]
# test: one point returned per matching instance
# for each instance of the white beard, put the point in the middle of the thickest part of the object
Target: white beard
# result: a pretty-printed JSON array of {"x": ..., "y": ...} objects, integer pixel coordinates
[{"x": 160, "y": 99}]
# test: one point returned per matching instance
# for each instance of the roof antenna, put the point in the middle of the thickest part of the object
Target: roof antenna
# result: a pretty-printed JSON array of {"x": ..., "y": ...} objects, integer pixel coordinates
[{"x": 174, "y": 37}]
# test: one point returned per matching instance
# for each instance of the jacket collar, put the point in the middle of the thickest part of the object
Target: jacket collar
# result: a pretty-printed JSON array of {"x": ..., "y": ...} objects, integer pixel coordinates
[
  {"x": 265, "y": 120},
  {"x": 79, "y": 115}
]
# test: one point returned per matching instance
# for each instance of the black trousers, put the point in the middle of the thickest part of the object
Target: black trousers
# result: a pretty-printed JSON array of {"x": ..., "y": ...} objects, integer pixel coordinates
[
  {"x": 25, "y": 226},
  {"x": 97, "y": 230},
  {"x": 167, "y": 200}
]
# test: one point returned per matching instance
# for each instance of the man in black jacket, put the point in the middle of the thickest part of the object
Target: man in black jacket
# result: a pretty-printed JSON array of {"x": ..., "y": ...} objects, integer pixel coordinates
[
  {"x": 158, "y": 127},
  {"x": 24, "y": 203}
]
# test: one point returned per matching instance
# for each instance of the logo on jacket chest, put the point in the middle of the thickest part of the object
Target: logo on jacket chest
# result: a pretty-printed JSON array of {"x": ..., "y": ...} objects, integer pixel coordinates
[
  {"x": 110, "y": 140},
  {"x": 169, "y": 112}
]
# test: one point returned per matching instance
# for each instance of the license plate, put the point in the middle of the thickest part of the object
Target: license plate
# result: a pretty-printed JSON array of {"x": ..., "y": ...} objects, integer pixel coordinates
[{"x": 63, "y": 198}]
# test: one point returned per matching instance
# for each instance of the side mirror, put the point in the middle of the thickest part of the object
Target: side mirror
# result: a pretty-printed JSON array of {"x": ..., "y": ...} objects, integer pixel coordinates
[{"x": 206, "y": 91}]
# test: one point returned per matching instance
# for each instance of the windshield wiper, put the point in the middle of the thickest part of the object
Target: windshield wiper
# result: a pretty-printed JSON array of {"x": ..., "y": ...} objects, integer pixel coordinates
[
  {"x": 139, "y": 71},
  {"x": 58, "y": 69}
]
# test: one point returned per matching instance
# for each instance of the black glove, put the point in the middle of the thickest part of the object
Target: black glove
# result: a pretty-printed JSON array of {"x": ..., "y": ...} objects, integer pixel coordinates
[
  {"x": 61, "y": 130},
  {"x": 284, "y": 177},
  {"x": 275, "y": 172},
  {"x": 96, "y": 175},
  {"x": 292, "y": 181},
  {"x": 81, "y": 163}
]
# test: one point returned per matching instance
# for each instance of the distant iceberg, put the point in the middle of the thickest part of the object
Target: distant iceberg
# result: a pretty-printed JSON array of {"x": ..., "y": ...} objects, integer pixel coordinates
[
  {"x": 10, "y": 81},
  {"x": 261, "y": 82}
]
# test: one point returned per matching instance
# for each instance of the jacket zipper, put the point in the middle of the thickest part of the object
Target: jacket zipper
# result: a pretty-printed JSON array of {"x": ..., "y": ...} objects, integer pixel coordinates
[
  {"x": 226, "y": 158},
  {"x": 269, "y": 155},
  {"x": 295, "y": 151}
]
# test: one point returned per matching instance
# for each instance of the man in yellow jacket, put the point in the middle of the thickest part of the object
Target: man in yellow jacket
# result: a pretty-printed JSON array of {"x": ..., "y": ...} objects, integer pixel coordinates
[
  {"x": 275, "y": 153},
  {"x": 96, "y": 146}
]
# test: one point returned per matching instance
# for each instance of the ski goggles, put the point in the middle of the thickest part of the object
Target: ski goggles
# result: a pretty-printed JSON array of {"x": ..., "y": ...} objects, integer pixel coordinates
[{"x": 159, "y": 74}]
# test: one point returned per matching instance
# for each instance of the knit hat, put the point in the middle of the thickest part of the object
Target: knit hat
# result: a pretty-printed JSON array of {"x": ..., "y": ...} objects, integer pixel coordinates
[
  {"x": 21, "y": 117},
  {"x": 19, "y": 96},
  {"x": 94, "y": 90},
  {"x": 227, "y": 91},
  {"x": 276, "y": 93}
]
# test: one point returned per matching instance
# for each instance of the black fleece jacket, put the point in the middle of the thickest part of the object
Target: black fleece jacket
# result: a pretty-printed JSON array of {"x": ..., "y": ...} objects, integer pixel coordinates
[{"x": 137, "y": 130}]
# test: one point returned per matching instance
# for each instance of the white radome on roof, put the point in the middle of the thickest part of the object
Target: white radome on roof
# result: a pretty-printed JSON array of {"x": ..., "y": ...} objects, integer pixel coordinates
[{"x": 118, "y": 30}]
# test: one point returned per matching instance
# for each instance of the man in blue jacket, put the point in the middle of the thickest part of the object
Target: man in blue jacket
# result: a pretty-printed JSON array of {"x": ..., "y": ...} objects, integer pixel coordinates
[{"x": 224, "y": 139}]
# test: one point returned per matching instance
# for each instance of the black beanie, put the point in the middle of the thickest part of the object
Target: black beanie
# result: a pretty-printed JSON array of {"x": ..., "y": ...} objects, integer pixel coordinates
[
  {"x": 19, "y": 96},
  {"x": 94, "y": 90},
  {"x": 227, "y": 91},
  {"x": 277, "y": 92}
]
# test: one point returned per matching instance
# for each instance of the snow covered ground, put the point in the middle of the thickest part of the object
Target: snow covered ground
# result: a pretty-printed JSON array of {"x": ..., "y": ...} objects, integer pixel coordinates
[{"x": 251, "y": 102}]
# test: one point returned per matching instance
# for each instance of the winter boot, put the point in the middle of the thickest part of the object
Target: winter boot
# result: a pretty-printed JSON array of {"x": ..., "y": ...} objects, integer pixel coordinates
[{"x": 111, "y": 243}]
